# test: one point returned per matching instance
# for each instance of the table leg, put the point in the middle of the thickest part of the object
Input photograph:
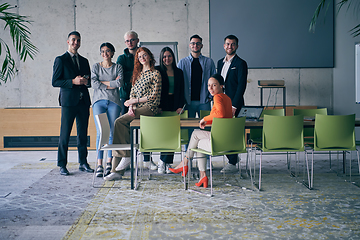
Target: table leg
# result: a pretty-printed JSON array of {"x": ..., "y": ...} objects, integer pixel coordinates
[{"x": 132, "y": 157}]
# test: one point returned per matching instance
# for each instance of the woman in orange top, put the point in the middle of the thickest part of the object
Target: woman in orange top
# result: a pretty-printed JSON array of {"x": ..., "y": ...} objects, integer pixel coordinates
[{"x": 201, "y": 138}]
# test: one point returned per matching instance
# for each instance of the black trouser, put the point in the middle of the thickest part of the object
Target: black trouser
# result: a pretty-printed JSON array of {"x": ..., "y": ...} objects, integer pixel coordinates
[
  {"x": 123, "y": 108},
  {"x": 81, "y": 113},
  {"x": 167, "y": 157},
  {"x": 234, "y": 157}
]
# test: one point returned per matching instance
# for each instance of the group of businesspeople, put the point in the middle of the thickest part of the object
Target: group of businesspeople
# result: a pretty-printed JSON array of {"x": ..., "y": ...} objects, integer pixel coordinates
[{"x": 134, "y": 86}]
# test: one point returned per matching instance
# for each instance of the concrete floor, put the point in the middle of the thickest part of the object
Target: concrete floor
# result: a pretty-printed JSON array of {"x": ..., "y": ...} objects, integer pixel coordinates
[{"x": 36, "y": 202}]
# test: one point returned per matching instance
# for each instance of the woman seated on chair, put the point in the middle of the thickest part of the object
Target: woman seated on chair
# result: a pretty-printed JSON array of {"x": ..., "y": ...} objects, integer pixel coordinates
[
  {"x": 144, "y": 100},
  {"x": 222, "y": 108}
]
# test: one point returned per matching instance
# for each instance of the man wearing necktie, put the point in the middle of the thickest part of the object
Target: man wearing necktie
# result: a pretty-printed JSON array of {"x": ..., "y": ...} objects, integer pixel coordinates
[{"x": 71, "y": 73}]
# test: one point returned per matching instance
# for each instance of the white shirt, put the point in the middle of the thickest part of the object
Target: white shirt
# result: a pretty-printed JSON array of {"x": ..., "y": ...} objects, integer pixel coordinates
[
  {"x": 225, "y": 70},
  {"x": 76, "y": 58},
  {"x": 226, "y": 67}
]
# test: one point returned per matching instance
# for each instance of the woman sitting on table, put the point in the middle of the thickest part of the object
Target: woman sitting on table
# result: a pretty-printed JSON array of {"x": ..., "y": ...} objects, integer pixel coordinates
[
  {"x": 172, "y": 95},
  {"x": 144, "y": 100},
  {"x": 201, "y": 138}
]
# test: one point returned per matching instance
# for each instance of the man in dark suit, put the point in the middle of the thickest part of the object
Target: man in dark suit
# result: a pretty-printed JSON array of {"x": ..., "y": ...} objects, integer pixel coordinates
[
  {"x": 71, "y": 73},
  {"x": 234, "y": 70}
]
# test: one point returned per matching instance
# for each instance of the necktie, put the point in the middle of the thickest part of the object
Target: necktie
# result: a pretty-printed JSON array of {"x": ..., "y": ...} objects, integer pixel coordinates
[{"x": 75, "y": 62}]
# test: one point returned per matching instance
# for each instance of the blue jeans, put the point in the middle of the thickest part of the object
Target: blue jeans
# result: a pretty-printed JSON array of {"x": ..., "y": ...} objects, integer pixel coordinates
[
  {"x": 113, "y": 112},
  {"x": 195, "y": 106}
]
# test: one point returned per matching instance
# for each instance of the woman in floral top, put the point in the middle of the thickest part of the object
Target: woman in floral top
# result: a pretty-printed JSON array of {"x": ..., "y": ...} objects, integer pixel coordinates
[{"x": 144, "y": 100}]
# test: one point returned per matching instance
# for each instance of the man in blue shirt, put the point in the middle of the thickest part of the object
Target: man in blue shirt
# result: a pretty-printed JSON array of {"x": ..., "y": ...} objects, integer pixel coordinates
[{"x": 197, "y": 70}]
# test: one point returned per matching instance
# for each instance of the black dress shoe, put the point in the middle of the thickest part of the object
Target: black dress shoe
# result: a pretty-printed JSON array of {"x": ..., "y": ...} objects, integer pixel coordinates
[
  {"x": 86, "y": 167},
  {"x": 64, "y": 171}
]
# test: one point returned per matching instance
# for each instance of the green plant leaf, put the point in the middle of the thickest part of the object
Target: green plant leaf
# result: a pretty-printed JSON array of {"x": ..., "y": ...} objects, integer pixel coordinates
[{"x": 20, "y": 36}]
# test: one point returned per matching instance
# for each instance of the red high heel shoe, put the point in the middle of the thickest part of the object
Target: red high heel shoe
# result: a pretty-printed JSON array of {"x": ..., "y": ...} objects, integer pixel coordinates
[
  {"x": 204, "y": 181},
  {"x": 179, "y": 170}
]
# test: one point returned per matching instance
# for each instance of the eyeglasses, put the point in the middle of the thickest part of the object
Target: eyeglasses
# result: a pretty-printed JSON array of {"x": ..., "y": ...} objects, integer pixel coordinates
[
  {"x": 130, "y": 41},
  {"x": 195, "y": 43}
]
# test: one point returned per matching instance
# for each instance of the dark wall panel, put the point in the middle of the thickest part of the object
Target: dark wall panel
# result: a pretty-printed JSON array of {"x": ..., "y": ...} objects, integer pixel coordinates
[{"x": 273, "y": 33}]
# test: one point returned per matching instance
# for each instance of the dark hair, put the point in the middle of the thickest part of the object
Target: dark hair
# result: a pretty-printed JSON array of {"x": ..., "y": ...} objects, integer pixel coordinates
[
  {"x": 232, "y": 37},
  {"x": 219, "y": 78},
  {"x": 138, "y": 66},
  {"x": 196, "y": 36},
  {"x": 109, "y": 45},
  {"x": 76, "y": 33},
  {"x": 166, "y": 49}
]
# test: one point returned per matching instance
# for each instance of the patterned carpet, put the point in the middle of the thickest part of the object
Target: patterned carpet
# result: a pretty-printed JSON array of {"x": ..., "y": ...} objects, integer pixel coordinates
[
  {"x": 42, "y": 204},
  {"x": 284, "y": 209}
]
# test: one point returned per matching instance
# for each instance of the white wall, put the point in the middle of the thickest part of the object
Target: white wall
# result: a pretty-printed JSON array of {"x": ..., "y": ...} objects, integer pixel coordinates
[
  {"x": 344, "y": 71},
  {"x": 154, "y": 20}
]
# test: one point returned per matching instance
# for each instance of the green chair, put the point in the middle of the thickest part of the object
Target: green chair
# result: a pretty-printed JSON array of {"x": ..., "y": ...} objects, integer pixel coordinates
[
  {"x": 281, "y": 134},
  {"x": 331, "y": 133},
  {"x": 159, "y": 134},
  {"x": 227, "y": 137},
  {"x": 309, "y": 113},
  {"x": 273, "y": 112},
  {"x": 256, "y": 133},
  {"x": 204, "y": 113},
  {"x": 183, "y": 115},
  {"x": 255, "y": 136}
]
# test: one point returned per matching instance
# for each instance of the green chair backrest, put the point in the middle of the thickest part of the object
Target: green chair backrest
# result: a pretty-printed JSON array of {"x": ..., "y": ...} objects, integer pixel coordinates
[
  {"x": 283, "y": 133},
  {"x": 310, "y": 112},
  {"x": 173, "y": 113},
  {"x": 273, "y": 112},
  {"x": 204, "y": 113},
  {"x": 309, "y": 132},
  {"x": 228, "y": 135},
  {"x": 256, "y": 134},
  {"x": 160, "y": 134},
  {"x": 334, "y": 132},
  {"x": 184, "y": 132}
]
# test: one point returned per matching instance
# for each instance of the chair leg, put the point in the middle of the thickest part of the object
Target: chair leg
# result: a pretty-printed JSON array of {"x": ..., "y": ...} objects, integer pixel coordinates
[
  {"x": 251, "y": 178},
  {"x": 150, "y": 159},
  {"x": 350, "y": 167},
  {"x": 239, "y": 165},
  {"x": 201, "y": 192},
  {"x": 211, "y": 178},
  {"x": 357, "y": 153},
  {"x": 308, "y": 172},
  {"x": 94, "y": 175},
  {"x": 260, "y": 170},
  {"x": 224, "y": 175},
  {"x": 189, "y": 169},
  {"x": 136, "y": 172}
]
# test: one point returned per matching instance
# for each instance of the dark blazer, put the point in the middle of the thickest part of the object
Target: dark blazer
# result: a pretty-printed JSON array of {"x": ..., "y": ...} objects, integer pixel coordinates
[
  {"x": 236, "y": 79},
  {"x": 179, "y": 97},
  {"x": 64, "y": 71}
]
